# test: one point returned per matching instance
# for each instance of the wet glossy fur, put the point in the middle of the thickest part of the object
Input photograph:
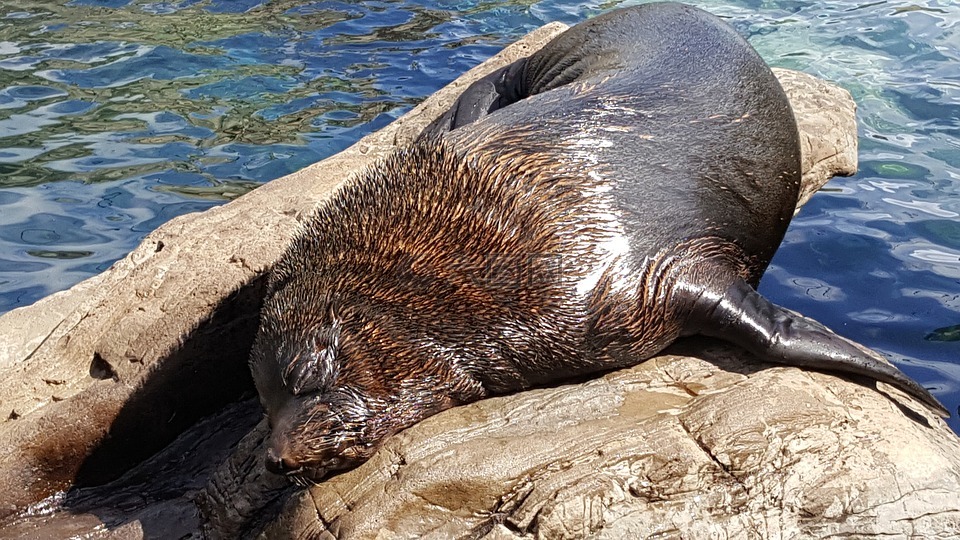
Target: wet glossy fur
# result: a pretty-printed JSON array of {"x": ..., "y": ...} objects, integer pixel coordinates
[{"x": 632, "y": 195}]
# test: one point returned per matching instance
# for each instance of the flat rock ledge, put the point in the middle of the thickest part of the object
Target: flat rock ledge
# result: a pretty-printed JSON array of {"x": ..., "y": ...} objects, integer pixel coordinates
[{"x": 149, "y": 359}]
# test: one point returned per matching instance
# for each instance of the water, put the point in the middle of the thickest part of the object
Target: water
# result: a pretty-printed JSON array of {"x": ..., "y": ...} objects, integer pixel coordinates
[{"x": 117, "y": 115}]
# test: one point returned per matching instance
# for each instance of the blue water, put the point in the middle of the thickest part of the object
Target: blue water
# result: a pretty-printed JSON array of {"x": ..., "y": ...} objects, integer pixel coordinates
[{"x": 117, "y": 115}]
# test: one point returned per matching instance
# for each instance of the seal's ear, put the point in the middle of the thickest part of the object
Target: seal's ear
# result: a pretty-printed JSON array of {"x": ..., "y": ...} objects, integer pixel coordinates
[
  {"x": 266, "y": 377},
  {"x": 739, "y": 314}
]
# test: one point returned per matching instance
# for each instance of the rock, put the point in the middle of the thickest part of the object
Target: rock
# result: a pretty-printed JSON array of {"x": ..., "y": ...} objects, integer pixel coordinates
[
  {"x": 828, "y": 137},
  {"x": 695, "y": 444},
  {"x": 98, "y": 378}
]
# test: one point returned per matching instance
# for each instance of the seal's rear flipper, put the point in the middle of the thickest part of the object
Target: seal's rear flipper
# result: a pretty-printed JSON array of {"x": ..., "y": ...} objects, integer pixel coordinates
[{"x": 744, "y": 317}]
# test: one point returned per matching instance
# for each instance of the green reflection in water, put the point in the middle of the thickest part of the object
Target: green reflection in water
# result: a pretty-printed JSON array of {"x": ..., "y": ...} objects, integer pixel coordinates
[
  {"x": 58, "y": 254},
  {"x": 947, "y": 333},
  {"x": 420, "y": 26},
  {"x": 223, "y": 190},
  {"x": 939, "y": 231},
  {"x": 56, "y": 144},
  {"x": 179, "y": 28},
  {"x": 895, "y": 170}
]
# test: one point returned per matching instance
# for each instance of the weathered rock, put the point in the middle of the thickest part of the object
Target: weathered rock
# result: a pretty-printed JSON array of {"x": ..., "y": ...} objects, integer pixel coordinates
[
  {"x": 828, "y": 129},
  {"x": 97, "y": 378},
  {"x": 700, "y": 445}
]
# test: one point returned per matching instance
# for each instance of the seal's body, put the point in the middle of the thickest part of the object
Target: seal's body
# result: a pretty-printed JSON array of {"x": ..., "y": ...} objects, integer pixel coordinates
[{"x": 574, "y": 212}]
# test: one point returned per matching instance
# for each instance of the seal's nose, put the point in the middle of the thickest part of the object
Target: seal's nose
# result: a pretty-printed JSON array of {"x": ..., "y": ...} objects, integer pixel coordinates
[{"x": 278, "y": 464}]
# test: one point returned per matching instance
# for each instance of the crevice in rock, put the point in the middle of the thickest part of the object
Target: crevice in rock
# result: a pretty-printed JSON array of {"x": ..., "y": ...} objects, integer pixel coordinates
[
  {"x": 101, "y": 369},
  {"x": 501, "y": 513},
  {"x": 713, "y": 457},
  {"x": 486, "y": 526}
]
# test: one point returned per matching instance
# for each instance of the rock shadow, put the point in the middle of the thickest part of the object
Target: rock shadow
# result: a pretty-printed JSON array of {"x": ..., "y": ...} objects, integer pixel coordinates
[{"x": 176, "y": 428}]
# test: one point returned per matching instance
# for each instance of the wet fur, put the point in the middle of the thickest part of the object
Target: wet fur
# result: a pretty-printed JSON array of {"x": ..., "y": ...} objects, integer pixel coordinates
[{"x": 581, "y": 229}]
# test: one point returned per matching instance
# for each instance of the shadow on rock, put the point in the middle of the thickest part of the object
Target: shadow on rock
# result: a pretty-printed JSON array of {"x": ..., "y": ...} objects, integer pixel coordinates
[{"x": 177, "y": 427}]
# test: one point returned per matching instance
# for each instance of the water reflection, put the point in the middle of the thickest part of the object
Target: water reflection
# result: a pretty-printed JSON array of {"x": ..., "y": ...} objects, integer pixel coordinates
[
  {"x": 102, "y": 93},
  {"x": 927, "y": 207},
  {"x": 174, "y": 107}
]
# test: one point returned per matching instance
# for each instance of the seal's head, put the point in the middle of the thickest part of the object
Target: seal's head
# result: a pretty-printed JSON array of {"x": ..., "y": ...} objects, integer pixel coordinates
[
  {"x": 316, "y": 427},
  {"x": 322, "y": 417},
  {"x": 387, "y": 307},
  {"x": 339, "y": 371}
]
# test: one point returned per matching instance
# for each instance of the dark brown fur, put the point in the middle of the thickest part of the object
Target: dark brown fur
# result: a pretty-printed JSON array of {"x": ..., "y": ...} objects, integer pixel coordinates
[
  {"x": 425, "y": 263},
  {"x": 580, "y": 229}
]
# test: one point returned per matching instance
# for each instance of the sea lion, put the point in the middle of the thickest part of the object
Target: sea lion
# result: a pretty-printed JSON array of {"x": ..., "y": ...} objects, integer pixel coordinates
[{"x": 573, "y": 213}]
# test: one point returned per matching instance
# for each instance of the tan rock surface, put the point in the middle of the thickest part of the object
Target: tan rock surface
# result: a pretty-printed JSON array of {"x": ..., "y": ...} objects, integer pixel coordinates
[
  {"x": 682, "y": 446},
  {"x": 704, "y": 445}
]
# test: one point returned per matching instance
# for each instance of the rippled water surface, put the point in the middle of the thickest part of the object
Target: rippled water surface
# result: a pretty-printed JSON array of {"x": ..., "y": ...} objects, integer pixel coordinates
[{"x": 116, "y": 116}]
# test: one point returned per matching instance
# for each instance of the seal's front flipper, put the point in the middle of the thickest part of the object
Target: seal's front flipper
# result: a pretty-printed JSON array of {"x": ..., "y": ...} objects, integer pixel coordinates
[
  {"x": 492, "y": 92},
  {"x": 744, "y": 317}
]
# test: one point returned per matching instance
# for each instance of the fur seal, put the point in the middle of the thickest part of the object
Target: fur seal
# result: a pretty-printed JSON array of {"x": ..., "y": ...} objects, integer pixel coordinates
[{"x": 574, "y": 212}]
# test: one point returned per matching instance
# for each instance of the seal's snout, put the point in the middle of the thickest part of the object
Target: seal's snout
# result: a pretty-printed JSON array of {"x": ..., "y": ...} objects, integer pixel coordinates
[{"x": 278, "y": 463}]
